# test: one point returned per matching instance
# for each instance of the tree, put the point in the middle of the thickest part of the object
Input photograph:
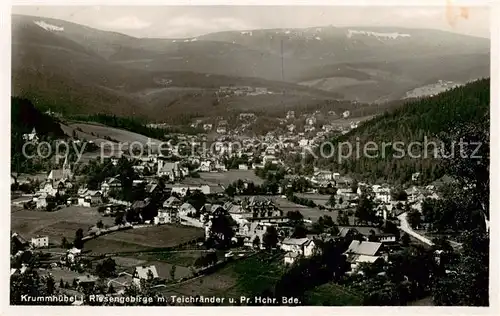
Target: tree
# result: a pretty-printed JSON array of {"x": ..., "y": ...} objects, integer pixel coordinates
[
  {"x": 64, "y": 243},
  {"x": 331, "y": 201},
  {"x": 50, "y": 283},
  {"x": 78, "y": 243},
  {"x": 106, "y": 269},
  {"x": 405, "y": 240},
  {"x": 343, "y": 219},
  {"x": 414, "y": 219},
  {"x": 256, "y": 242},
  {"x": 270, "y": 238},
  {"x": 119, "y": 219},
  {"x": 221, "y": 230},
  {"x": 300, "y": 231},
  {"x": 466, "y": 283},
  {"x": 365, "y": 211},
  {"x": 111, "y": 289},
  {"x": 61, "y": 283},
  {"x": 172, "y": 272}
]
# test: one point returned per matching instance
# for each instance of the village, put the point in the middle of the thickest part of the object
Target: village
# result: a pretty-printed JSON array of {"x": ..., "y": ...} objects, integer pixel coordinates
[{"x": 165, "y": 219}]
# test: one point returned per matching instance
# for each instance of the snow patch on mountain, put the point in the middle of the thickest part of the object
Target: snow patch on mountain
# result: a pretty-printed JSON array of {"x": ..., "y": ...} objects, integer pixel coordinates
[
  {"x": 49, "y": 27},
  {"x": 395, "y": 35},
  {"x": 246, "y": 33},
  {"x": 318, "y": 38}
]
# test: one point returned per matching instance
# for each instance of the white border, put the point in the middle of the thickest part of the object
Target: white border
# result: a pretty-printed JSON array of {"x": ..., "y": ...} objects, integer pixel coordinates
[{"x": 5, "y": 163}]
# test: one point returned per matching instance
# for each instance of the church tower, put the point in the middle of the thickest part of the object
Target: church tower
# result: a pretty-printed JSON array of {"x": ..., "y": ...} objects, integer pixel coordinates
[{"x": 67, "y": 169}]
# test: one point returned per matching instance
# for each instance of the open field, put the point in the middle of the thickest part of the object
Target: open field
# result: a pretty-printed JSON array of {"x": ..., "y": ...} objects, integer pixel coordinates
[
  {"x": 230, "y": 176},
  {"x": 143, "y": 238},
  {"x": 119, "y": 135},
  {"x": 58, "y": 224},
  {"x": 184, "y": 259},
  {"x": 249, "y": 276},
  {"x": 308, "y": 212},
  {"x": 332, "y": 294},
  {"x": 65, "y": 274}
]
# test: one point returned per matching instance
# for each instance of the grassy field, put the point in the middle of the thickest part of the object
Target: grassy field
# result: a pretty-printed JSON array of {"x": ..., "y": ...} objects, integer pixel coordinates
[
  {"x": 230, "y": 176},
  {"x": 310, "y": 213},
  {"x": 249, "y": 276},
  {"x": 119, "y": 135},
  {"x": 185, "y": 258},
  {"x": 58, "y": 224},
  {"x": 143, "y": 238},
  {"x": 332, "y": 294}
]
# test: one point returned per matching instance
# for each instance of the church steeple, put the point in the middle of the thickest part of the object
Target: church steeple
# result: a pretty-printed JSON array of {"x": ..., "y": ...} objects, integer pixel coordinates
[{"x": 67, "y": 169}]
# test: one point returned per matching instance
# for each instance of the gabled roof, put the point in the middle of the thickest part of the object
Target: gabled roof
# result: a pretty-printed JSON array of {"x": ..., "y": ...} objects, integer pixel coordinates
[
  {"x": 187, "y": 207},
  {"x": 171, "y": 201},
  {"x": 367, "y": 248},
  {"x": 295, "y": 241},
  {"x": 344, "y": 231},
  {"x": 142, "y": 272}
]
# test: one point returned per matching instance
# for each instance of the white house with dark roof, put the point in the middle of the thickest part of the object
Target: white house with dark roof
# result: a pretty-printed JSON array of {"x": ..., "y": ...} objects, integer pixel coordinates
[
  {"x": 302, "y": 246},
  {"x": 363, "y": 251},
  {"x": 144, "y": 273}
]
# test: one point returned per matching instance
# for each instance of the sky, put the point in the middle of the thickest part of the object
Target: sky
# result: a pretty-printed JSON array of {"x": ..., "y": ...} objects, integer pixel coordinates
[{"x": 191, "y": 21}]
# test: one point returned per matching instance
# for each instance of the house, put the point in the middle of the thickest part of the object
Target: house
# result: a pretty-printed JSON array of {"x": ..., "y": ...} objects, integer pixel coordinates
[
  {"x": 363, "y": 251},
  {"x": 87, "y": 282},
  {"x": 89, "y": 198},
  {"x": 382, "y": 194},
  {"x": 207, "y": 127},
  {"x": 172, "y": 203},
  {"x": 110, "y": 184},
  {"x": 302, "y": 246},
  {"x": 291, "y": 257},
  {"x": 170, "y": 170},
  {"x": 243, "y": 167},
  {"x": 386, "y": 238},
  {"x": 40, "y": 241},
  {"x": 144, "y": 273},
  {"x": 207, "y": 166},
  {"x": 346, "y": 114},
  {"x": 167, "y": 217},
  {"x": 19, "y": 242},
  {"x": 41, "y": 201}
]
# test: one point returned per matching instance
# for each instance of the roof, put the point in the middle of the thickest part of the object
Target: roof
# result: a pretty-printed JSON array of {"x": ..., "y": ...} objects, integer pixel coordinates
[
  {"x": 367, "y": 248},
  {"x": 363, "y": 230},
  {"x": 295, "y": 241},
  {"x": 56, "y": 174},
  {"x": 140, "y": 204},
  {"x": 187, "y": 207},
  {"x": 87, "y": 278},
  {"x": 170, "y": 201},
  {"x": 344, "y": 231},
  {"x": 142, "y": 272}
]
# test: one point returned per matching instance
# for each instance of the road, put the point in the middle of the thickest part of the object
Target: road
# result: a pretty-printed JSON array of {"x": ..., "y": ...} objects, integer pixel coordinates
[{"x": 405, "y": 226}]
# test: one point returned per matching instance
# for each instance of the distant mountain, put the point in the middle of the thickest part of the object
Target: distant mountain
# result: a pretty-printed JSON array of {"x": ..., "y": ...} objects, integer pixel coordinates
[
  {"x": 428, "y": 118},
  {"x": 111, "y": 72}
]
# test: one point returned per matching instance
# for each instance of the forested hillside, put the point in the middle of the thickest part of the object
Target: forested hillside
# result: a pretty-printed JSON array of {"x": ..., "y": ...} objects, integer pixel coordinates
[{"x": 420, "y": 121}]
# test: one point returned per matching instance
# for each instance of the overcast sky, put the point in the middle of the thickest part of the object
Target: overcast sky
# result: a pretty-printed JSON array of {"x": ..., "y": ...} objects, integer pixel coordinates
[{"x": 190, "y": 21}]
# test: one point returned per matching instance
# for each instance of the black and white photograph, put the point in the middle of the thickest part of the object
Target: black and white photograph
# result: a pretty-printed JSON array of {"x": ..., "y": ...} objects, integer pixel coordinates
[{"x": 250, "y": 155}]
